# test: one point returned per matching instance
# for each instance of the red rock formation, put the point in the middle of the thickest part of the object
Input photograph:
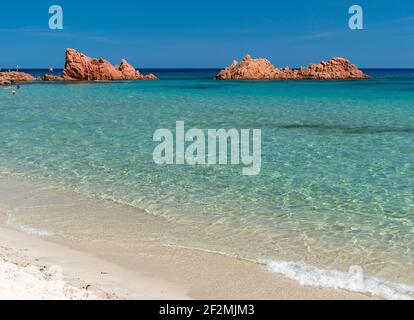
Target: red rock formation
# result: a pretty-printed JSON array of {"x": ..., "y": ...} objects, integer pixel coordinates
[
  {"x": 7, "y": 78},
  {"x": 248, "y": 69},
  {"x": 50, "y": 77},
  {"x": 81, "y": 67},
  {"x": 262, "y": 69}
]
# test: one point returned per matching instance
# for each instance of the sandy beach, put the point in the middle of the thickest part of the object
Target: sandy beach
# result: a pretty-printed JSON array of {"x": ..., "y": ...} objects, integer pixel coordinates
[{"x": 36, "y": 264}]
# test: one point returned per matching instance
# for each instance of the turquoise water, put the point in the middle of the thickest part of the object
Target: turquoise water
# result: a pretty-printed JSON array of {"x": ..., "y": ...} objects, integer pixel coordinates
[{"x": 337, "y": 181}]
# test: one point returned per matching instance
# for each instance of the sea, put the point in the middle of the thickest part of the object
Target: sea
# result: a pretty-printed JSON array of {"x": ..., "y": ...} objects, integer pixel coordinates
[{"x": 335, "y": 192}]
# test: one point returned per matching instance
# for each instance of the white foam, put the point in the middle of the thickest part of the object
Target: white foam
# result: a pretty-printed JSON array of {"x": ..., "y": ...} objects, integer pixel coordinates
[
  {"x": 36, "y": 232},
  {"x": 34, "y": 283},
  {"x": 353, "y": 280},
  {"x": 27, "y": 229}
]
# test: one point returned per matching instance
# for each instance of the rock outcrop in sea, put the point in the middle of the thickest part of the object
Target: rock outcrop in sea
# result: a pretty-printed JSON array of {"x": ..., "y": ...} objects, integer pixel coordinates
[
  {"x": 8, "y": 78},
  {"x": 81, "y": 67},
  {"x": 262, "y": 69}
]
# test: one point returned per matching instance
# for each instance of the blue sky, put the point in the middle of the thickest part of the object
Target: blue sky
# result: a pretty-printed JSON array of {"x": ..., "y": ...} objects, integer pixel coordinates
[{"x": 191, "y": 33}]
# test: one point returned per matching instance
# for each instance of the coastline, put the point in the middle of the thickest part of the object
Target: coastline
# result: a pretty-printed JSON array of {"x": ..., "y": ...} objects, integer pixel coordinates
[
  {"x": 206, "y": 153},
  {"x": 99, "y": 269}
]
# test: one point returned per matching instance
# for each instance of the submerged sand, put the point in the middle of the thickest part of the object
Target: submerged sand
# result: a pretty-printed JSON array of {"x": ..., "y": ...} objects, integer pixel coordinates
[{"x": 87, "y": 263}]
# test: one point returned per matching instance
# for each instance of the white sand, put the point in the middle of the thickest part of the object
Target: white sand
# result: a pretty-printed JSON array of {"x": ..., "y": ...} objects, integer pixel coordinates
[
  {"x": 31, "y": 268},
  {"x": 31, "y": 282}
]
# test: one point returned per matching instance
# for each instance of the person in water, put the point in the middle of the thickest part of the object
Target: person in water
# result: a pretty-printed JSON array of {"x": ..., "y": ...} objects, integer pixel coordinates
[{"x": 14, "y": 91}]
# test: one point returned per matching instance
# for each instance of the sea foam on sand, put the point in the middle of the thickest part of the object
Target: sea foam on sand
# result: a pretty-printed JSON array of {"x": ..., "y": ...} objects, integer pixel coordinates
[
  {"x": 308, "y": 275},
  {"x": 20, "y": 282}
]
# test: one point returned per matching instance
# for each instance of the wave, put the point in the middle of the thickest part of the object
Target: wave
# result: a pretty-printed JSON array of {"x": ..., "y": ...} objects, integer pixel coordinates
[
  {"x": 353, "y": 280},
  {"x": 308, "y": 275},
  {"x": 11, "y": 221}
]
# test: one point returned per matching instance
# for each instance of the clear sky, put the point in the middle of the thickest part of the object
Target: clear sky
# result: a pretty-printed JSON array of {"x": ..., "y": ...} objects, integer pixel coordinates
[{"x": 209, "y": 33}]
